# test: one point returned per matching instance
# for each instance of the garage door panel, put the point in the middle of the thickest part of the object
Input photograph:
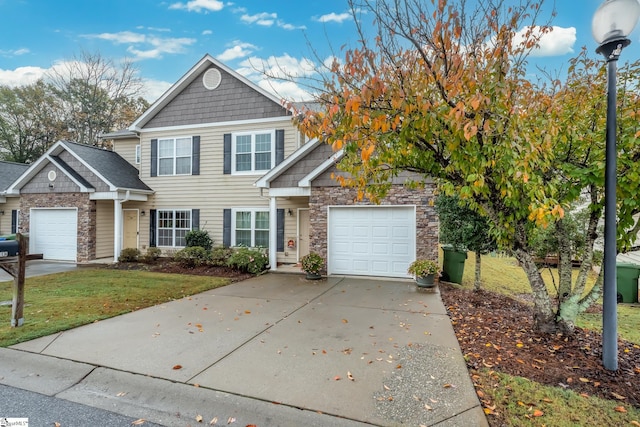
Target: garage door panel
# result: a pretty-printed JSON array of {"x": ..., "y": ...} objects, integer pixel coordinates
[
  {"x": 371, "y": 240},
  {"x": 53, "y": 233}
]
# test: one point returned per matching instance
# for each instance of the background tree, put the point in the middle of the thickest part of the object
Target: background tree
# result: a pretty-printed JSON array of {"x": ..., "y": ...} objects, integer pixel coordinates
[
  {"x": 95, "y": 93},
  {"x": 465, "y": 230},
  {"x": 441, "y": 91},
  {"x": 30, "y": 121}
]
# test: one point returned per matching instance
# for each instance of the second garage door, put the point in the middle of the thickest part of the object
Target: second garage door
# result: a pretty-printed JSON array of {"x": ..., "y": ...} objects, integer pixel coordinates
[
  {"x": 371, "y": 241},
  {"x": 54, "y": 233}
]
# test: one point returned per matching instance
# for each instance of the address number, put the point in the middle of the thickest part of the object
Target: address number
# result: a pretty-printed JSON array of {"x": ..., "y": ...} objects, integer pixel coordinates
[{"x": 4, "y": 254}]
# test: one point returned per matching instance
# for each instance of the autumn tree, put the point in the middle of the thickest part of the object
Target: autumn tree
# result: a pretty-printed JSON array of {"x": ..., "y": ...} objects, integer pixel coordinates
[
  {"x": 95, "y": 92},
  {"x": 442, "y": 91},
  {"x": 30, "y": 121}
]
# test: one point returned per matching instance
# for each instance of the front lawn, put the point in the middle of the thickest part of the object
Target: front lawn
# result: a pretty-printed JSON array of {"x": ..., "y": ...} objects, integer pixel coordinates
[{"x": 63, "y": 301}]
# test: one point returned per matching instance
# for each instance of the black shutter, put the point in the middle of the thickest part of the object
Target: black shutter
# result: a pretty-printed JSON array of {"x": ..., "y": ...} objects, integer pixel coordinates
[
  {"x": 280, "y": 230},
  {"x": 226, "y": 228},
  {"x": 227, "y": 153},
  {"x": 279, "y": 146},
  {"x": 14, "y": 221},
  {"x": 154, "y": 157},
  {"x": 195, "y": 219},
  {"x": 195, "y": 155},
  {"x": 152, "y": 228}
]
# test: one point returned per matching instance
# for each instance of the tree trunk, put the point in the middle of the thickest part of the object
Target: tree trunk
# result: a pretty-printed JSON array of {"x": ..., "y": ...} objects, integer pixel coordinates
[{"x": 478, "y": 282}]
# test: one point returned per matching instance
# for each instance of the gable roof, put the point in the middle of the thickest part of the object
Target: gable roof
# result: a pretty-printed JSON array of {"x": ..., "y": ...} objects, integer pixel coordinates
[
  {"x": 108, "y": 165},
  {"x": 9, "y": 172},
  {"x": 187, "y": 79}
]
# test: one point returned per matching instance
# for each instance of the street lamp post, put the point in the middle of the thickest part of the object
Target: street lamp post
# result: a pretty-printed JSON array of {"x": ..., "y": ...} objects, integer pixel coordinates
[{"x": 612, "y": 23}]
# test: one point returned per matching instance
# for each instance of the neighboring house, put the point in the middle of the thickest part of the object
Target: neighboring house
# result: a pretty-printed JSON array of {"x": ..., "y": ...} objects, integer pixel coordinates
[
  {"x": 9, "y": 203},
  {"x": 219, "y": 153}
]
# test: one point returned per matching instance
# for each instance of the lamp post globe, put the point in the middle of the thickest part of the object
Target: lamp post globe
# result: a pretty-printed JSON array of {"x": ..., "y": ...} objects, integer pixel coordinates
[{"x": 612, "y": 23}]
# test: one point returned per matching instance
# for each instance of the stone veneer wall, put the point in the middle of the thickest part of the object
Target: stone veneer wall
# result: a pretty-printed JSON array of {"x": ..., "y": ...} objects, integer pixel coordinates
[
  {"x": 426, "y": 217},
  {"x": 86, "y": 217}
]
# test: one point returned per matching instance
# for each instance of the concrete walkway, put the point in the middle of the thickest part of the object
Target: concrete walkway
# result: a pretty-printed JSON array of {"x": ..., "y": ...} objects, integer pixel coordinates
[{"x": 275, "y": 350}]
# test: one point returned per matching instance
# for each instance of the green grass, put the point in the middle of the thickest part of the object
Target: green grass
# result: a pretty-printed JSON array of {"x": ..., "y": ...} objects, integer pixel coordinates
[
  {"x": 58, "y": 302},
  {"x": 503, "y": 275},
  {"x": 526, "y": 403}
]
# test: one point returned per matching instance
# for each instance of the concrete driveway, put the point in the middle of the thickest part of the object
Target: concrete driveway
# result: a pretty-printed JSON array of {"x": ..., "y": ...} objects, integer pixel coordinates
[
  {"x": 41, "y": 268},
  {"x": 275, "y": 350}
]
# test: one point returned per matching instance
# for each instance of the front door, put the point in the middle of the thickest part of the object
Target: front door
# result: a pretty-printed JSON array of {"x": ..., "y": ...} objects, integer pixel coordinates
[
  {"x": 303, "y": 232},
  {"x": 130, "y": 228}
]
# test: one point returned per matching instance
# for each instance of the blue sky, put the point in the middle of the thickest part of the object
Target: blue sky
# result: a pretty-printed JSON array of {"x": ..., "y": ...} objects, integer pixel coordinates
[{"x": 166, "y": 38}]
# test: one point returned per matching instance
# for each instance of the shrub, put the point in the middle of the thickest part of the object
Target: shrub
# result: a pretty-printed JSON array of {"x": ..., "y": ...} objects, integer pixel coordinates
[
  {"x": 220, "y": 256},
  {"x": 198, "y": 238},
  {"x": 191, "y": 257},
  {"x": 312, "y": 263},
  {"x": 151, "y": 255},
  {"x": 129, "y": 255},
  {"x": 249, "y": 260},
  {"x": 423, "y": 267}
]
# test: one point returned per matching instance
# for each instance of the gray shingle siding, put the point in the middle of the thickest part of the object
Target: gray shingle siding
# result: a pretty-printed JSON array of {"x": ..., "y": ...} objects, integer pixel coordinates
[
  {"x": 302, "y": 167},
  {"x": 231, "y": 101}
]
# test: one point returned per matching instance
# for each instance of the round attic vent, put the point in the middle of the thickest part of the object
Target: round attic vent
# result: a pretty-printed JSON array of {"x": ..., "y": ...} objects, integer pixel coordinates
[
  {"x": 211, "y": 78},
  {"x": 51, "y": 175}
]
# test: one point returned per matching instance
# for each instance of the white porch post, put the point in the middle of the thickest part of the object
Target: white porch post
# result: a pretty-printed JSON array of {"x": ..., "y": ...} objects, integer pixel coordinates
[
  {"x": 273, "y": 234},
  {"x": 117, "y": 229}
]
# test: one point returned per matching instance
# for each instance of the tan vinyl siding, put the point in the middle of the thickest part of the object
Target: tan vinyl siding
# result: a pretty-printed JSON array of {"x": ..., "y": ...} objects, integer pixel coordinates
[
  {"x": 126, "y": 148},
  {"x": 104, "y": 228},
  {"x": 289, "y": 256},
  {"x": 5, "y": 220},
  {"x": 212, "y": 190}
]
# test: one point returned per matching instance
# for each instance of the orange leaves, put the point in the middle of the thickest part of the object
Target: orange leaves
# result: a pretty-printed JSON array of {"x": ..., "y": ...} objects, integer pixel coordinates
[{"x": 367, "y": 152}]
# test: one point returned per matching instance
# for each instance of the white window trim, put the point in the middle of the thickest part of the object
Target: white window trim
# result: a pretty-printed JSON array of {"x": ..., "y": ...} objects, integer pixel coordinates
[
  {"x": 174, "y": 138},
  {"x": 174, "y": 227},
  {"x": 253, "y": 222},
  {"x": 253, "y": 133},
  {"x": 138, "y": 154}
]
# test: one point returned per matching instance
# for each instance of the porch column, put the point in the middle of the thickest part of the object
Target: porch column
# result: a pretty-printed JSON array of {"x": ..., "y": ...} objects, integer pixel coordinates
[
  {"x": 117, "y": 229},
  {"x": 273, "y": 234}
]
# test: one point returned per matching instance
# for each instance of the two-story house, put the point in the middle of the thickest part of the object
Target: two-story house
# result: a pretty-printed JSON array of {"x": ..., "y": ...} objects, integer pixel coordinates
[{"x": 219, "y": 153}]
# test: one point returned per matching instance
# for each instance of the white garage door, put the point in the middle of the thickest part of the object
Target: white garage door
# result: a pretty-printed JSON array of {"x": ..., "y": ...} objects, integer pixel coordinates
[
  {"x": 53, "y": 233},
  {"x": 371, "y": 241}
]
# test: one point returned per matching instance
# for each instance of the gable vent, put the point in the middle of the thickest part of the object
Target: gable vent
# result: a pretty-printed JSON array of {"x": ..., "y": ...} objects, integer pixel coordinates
[{"x": 211, "y": 78}]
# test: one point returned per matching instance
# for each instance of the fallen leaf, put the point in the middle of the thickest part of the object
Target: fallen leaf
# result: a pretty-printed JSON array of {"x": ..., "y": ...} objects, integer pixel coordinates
[
  {"x": 198, "y": 325},
  {"x": 214, "y": 421},
  {"x": 427, "y": 407},
  {"x": 176, "y": 367},
  {"x": 247, "y": 312},
  {"x": 547, "y": 400},
  {"x": 617, "y": 396},
  {"x": 584, "y": 380},
  {"x": 350, "y": 376},
  {"x": 488, "y": 411},
  {"x": 122, "y": 393},
  {"x": 620, "y": 409},
  {"x": 538, "y": 413},
  {"x": 345, "y": 321},
  {"x": 199, "y": 418},
  {"x": 137, "y": 422},
  {"x": 635, "y": 423},
  {"x": 337, "y": 378},
  {"x": 386, "y": 387},
  {"x": 56, "y": 424},
  {"x": 231, "y": 420}
]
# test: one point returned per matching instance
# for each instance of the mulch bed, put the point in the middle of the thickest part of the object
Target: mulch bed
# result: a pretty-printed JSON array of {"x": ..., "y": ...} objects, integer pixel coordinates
[
  {"x": 164, "y": 266},
  {"x": 496, "y": 332}
]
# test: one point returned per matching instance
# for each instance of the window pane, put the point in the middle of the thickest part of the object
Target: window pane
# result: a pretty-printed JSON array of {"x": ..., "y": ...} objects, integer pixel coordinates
[
  {"x": 180, "y": 240},
  {"x": 183, "y": 166},
  {"x": 165, "y": 148},
  {"x": 165, "y": 219},
  {"x": 243, "y": 144},
  {"x": 243, "y": 220},
  {"x": 165, "y": 237},
  {"x": 262, "y": 220},
  {"x": 263, "y": 143},
  {"x": 165, "y": 167},
  {"x": 243, "y": 237},
  {"x": 243, "y": 162},
  {"x": 262, "y": 238},
  {"x": 183, "y": 147},
  {"x": 263, "y": 161},
  {"x": 183, "y": 219}
]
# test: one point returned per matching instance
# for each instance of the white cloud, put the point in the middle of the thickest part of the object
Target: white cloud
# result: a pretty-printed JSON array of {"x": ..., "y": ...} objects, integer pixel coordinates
[
  {"x": 153, "y": 89},
  {"x": 558, "y": 42},
  {"x": 286, "y": 26},
  {"x": 265, "y": 19},
  {"x": 282, "y": 67},
  {"x": 21, "y": 76},
  {"x": 207, "y": 32},
  {"x": 199, "y": 6},
  {"x": 239, "y": 50},
  {"x": 144, "y": 46},
  {"x": 335, "y": 17},
  {"x": 289, "y": 91},
  {"x": 16, "y": 52}
]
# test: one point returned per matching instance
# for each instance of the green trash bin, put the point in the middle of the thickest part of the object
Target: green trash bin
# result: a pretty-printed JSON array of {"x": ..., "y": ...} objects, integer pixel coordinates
[
  {"x": 627, "y": 282},
  {"x": 453, "y": 264}
]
